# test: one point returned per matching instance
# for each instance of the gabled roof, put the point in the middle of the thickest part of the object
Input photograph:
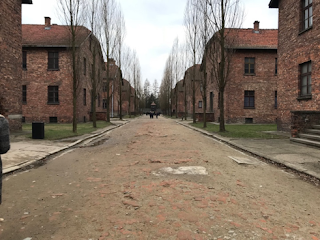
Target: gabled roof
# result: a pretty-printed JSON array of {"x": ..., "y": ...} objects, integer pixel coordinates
[
  {"x": 52, "y": 36},
  {"x": 251, "y": 39},
  {"x": 274, "y": 4}
]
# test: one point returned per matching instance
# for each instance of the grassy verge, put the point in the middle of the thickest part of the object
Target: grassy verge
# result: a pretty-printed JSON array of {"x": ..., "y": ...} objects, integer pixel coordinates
[
  {"x": 59, "y": 131},
  {"x": 243, "y": 130}
]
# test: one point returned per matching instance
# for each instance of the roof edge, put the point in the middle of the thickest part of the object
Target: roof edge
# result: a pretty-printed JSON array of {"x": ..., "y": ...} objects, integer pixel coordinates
[
  {"x": 274, "y": 4},
  {"x": 46, "y": 46},
  {"x": 26, "y": 1},
  {"x": 257, "y": 48}
]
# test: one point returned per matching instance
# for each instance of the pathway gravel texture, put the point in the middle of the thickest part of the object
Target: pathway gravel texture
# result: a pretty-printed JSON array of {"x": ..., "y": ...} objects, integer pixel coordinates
[{"x": 155, "y": 179}]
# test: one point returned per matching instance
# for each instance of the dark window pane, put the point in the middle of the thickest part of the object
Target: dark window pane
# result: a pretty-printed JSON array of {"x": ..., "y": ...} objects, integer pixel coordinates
[
  {"x": 53, "y": 60},
  {"x": 53, "y": 94}
]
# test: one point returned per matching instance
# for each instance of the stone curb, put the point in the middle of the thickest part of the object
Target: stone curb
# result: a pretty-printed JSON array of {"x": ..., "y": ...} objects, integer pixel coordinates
[
  {"x": 27, "y": 163},
  {"x": 234, "y": 145}
]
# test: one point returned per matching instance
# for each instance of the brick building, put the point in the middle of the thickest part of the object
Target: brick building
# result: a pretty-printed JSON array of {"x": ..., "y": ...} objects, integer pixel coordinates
[
  {"x": 179, "y": 99},
  {"x": 299, "y": 64},
  {"x": 114, "y": 90},
  {"x": 47, "y": 82},
  {"x": 187, "y": 85},
  {"x": 251, "y": 92},
  {"x": 10, "y": 61}
]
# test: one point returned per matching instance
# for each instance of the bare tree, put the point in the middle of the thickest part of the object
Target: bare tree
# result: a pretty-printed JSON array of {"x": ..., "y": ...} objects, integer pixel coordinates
[
  {"x": 192, "y": 23},
  {"x": 108, "y": 38},
  {"x": 155, "y": 88},
  {"x": 127, "y": 62},
  {"x": 205, "y": 33},
  {"x": 176, "y": 69},
  {"x": 136, "y": 71},
  {"x": 72, "y": 12},
  {"x": 94, "y": 22},
  {"x": 120, "y": 35},
  {"x": 225, "y": 18},
  {"x": 185, "y": 63}
]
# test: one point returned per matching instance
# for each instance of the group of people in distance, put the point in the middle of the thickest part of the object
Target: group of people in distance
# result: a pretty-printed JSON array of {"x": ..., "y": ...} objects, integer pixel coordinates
[{"x": 151, "y": 113}]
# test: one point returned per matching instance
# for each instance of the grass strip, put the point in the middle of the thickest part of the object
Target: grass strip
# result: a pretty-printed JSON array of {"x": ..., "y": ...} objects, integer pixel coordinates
[
  {"x": 256, "y": 131},
  {"x": 55, "y": 131}
]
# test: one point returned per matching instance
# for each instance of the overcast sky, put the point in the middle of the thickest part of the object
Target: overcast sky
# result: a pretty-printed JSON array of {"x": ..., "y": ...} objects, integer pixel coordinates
[{"x": 152, "y": 26}]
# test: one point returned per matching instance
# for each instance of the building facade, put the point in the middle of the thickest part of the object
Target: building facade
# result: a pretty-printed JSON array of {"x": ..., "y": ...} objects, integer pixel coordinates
[
  {"x": 47, "y": 78},
  {"x": 299, "y": 55},
  {"x": 10, "y": 61},
  {"x": 250, "y": 94}
]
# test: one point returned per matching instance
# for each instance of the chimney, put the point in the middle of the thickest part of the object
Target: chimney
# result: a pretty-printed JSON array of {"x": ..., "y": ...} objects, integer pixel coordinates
[
  {"x": 256, "y": 27},
  {"x": 47, "y": 21}
]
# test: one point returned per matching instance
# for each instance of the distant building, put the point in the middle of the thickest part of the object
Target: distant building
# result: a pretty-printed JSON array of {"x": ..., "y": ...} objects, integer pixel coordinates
[
  {"x": 47, "y": 82},
  {"x": 10, "y": 61},
  {"x": 251, "y": 92}
]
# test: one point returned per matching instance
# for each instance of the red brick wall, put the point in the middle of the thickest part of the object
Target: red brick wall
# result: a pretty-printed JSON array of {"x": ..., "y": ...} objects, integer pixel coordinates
[
  {"x": 10, "y": 61},
  {"x": 294, "y": 49},
  {"x": 38, "y": 78},
  {"x": 263, "y": 83}
]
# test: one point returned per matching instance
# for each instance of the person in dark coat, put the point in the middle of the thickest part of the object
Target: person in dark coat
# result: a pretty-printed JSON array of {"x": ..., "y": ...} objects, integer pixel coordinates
[{"x": 4, "y": 144}]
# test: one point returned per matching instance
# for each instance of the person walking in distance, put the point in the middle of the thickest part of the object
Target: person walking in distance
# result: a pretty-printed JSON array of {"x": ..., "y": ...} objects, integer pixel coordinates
[{"x": 4, "y": 144}]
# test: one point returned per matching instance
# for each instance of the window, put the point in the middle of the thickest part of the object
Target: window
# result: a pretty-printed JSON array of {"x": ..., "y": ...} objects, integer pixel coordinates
[
  {"x": 248, "y": 120},
  {"x": 275, "y": 99},
  {"x": 24, "y": 94},
  {"x": 84, "y": 66},
  {"x": 24, "y": 60},
  {"x": 53, "y": 61},
  {"x": 249, "y": 66},
  {"x": 248, "y": 99},
  {"x": 276, "y": 66},
  {"x": 200, "y": 104},
  {"x": 305, "y": 81},
  {"x": 84, "y": 97},
  {"x": 53, "y": 120},
  {"x": 53, "y": 95},
  {"x": 99, "y": 100},
  {"x": 104, "y": 86},
  {"x": 307, "y": 14},
  {"x": 104, "y": 103}
]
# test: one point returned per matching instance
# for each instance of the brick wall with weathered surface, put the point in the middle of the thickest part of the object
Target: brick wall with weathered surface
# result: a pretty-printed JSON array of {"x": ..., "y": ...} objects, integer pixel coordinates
[
  {"x": 260, "y": 44},
  {"x": 263, "y": 83},
  {"x": 10, "y": 61},
  {"x": 37, "y": 78},
  {"x": 296, "y": 47}
]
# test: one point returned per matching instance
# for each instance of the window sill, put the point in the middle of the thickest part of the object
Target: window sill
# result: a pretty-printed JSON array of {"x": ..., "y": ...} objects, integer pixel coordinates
[
  {"x": 249, "y": 74},
  {"x": 53, "y": 69},
  {"x": 50, "y": 103},
  {"x": 305, "y": 97},
  {"x": 249, "y": 108},
  {"x": 305, "y": 30},
  {"x": 24, "y": 69}
]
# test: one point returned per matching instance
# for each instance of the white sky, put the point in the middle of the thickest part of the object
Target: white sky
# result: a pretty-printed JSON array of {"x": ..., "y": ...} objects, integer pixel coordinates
[{"x": 152, "y": 26}]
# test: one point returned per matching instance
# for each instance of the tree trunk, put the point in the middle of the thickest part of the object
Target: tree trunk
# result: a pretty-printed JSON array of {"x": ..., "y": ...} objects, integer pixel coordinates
[{"x": 108, "y": 89}]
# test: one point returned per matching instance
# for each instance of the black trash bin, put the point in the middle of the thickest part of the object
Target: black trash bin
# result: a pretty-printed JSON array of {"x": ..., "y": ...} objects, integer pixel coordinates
[{"x": 38, "y": 130}]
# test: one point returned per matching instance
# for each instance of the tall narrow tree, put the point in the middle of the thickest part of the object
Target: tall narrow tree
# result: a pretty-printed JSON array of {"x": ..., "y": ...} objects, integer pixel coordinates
[
  {"x": 192, "y": 24},
  {"x": 72, "y": 12},
  {"x": 225, "y": 18},
  {"x": 108, "y": 38}
]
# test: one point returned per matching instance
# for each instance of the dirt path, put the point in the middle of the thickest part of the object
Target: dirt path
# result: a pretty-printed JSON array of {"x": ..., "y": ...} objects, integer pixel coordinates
[{"x": 132, "y": 186}]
